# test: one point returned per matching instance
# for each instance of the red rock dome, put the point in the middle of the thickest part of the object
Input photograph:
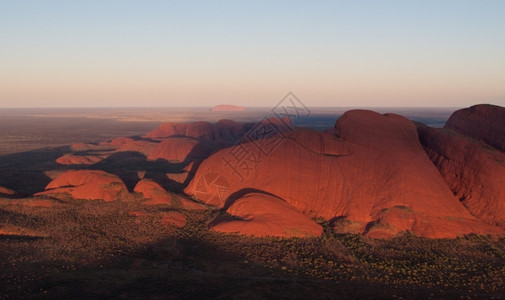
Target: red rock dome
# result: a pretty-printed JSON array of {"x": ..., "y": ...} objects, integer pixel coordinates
[
  {"x": 373, "y": 162},
  {"x": 88, "y": 185},
  {"x": 153, "y": 191},
  {"x": 482, "y": 122},
  {"x": 474, "y": 171},
  {"x": 264, "y": 215}
]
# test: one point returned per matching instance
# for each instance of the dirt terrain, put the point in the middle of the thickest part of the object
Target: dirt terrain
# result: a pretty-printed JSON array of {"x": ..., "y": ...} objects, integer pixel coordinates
[{"x": 111, "y": 221}]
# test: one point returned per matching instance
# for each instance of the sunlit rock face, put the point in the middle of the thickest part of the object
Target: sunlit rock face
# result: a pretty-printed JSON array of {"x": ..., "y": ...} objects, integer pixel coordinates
[
  {"x": 153, "y": 192},
  {"x": 179, "y": 150},
  {"x": 370, "y": 175},
  {"x": 87, "y": 185},
  {"x": 482, "y": 122},
  {"x": 474, "y": 170},
  {"x": 265, "y": 215}
]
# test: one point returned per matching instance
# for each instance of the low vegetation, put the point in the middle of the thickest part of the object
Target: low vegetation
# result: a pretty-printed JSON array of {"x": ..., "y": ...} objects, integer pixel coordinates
[{"x": 102, "y": 250}]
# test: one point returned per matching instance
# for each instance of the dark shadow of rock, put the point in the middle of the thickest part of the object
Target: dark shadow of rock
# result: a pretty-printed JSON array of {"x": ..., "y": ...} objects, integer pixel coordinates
[{"x": 24, "y": 172}]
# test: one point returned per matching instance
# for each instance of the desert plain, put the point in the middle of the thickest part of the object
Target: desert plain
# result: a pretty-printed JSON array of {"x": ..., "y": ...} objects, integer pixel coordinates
[{"x": 195, "y": 203}]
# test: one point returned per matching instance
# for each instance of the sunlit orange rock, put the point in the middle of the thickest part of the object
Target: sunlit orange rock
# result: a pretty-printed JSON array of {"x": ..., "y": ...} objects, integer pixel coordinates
[
  {"x": 173, "y": 218},
  {"x": 6, "y": 191},
  {"x": 483, "y": 122},
  {"x": 73, "y": 159},
  {"x": 128, "y": 144},
  {"x": 201, "y": 131},
  {"x": 179, "y": 150},
  {"x": 223, "y": 133},
  {"x": 153, "y": 192},
  {"x": 264, "y": 215},
  {"x": 371, "y": 163},
  {"x": 390, "y": 221},
  {"x": 88, "y": 185},
  {"x": 474, "y": 171},
  {"x": 168, "y": 129}
]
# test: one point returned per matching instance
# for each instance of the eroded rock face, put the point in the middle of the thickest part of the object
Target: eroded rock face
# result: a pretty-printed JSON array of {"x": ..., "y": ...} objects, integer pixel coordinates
[
  {"x": 124, "y": 144},
  {"x": 474, "y": 171},
  {"x": 90, "y": 154},
  {"x": 482, "y": 122},
  {"x": 372, "y": 163},
  {"x": 87, "y": 185},
  {"x": 224, "y": 132},
  {"x": 179, "y": 150},
  {"x": 73, "y": 159},
  {"x": 153, "y": 192},
  {"x": 168, "y": 129},
  {"x": 264, "y": 215},
  {"x": 400, "y": 218},
  {"x": 228, "y": 132}
]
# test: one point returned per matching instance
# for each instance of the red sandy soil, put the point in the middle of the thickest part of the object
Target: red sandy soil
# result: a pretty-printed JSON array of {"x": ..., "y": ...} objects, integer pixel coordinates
[
  {"x": 137, "y": 213},
  {"x": 18, "y": 231},
  {"x": 33, "y": 202}
]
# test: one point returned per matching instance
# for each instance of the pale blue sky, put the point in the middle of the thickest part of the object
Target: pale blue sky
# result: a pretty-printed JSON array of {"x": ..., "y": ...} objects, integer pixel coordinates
[{"x": 188, "y": 53}]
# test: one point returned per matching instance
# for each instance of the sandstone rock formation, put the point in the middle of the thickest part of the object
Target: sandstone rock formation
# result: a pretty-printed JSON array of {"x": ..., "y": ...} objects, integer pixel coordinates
[
  {"x": 87, "y": 185},
  {"x": 482, "y": 122},
  {"x": 264, "y": 215},
  {"x": 6, "y": 191},
  {"x": 223, "y": 133},
  {"x": 153, "y": 192},
  {"x": 74, "y": 159},
  {"x": 168, "y": 130},
  {"x": 373, "y": 164},
  {"x": 474, "y": 171},
  {"x": 179, "y": 150},
  {"x": 129, "y": 144}
]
